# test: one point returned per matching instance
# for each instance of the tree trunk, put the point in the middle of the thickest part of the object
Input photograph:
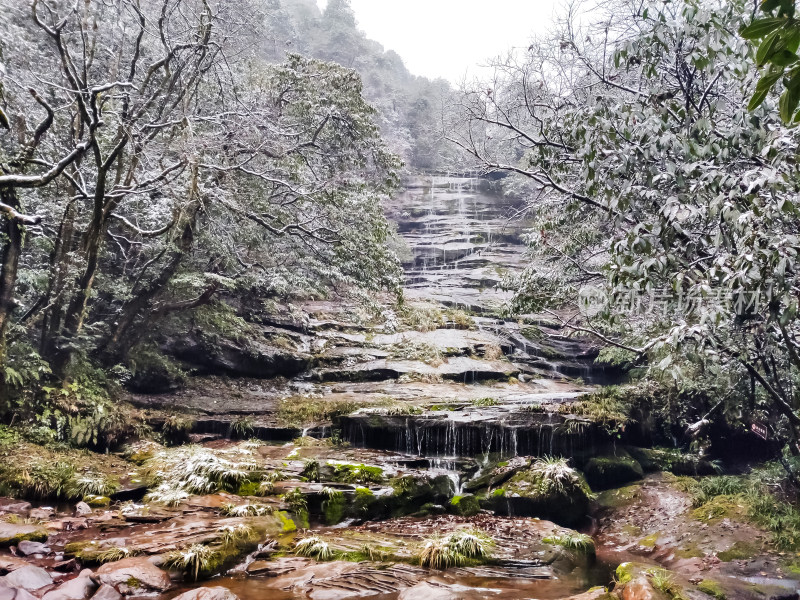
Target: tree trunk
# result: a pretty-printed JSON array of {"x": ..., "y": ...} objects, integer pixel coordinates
[
  {"x": 123, "y": 338},
  {"x": 12, "y": 249}
]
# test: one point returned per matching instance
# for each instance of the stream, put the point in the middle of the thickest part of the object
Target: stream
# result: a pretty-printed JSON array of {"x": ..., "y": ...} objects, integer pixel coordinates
[{"x": 462, "y": 243}]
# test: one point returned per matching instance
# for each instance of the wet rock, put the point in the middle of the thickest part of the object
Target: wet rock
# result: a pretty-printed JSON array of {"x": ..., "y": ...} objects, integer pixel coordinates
[
  {"x": 208, "y": 593},
  {"x": 43, "y": 513},
  {"x": 134, "y": 575},
  {"x": 13, "y": 506},
  {"x": 14, "y": 533},
  {"x": 79, "y": 588},
  {"x": 598, "y": 593},
  {"x": 29, "y": 578},
  {"x": 7, "y": 592},
  {"x": 66, "y": 566},
  {"x": 106, "y": 592},
  {"x": 26, "y": 548},
  {"x": 276, "y": 568},
  {"x": 10, "y": 563},
  {"x": 250, "y": 359},
  {"x": 604, "y": 472},
  {"x": 436, "y": 591},
  {"x": 82, "y": 509}
]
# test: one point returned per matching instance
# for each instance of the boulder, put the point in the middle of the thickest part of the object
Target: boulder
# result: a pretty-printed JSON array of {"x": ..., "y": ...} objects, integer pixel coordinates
[
  {"x": 134, "y": 575},
  {"x": 528, "y": 493},
  {"x": 16, "y": 507},
  {"x": 11, "y": 563},
  {"x": 465, "y": 506},
  {"x": 81, "y": 509},
  {"x": 106, "y": 592},
  {"x": 26, "y": 548},
  {"x": 79, "y": 588},
  {"x": 43, "y": 513},
  {"x": 29, "y": 578},
  {"x": 208, "y": 593},
  {"x": 603, "y": 472},
  {"x": 14, "y": 533},
  {"x": 7, "y": 592}
]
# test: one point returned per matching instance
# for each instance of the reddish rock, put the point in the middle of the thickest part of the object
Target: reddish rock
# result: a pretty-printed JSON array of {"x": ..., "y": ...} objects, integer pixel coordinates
[
  {"x": 133, "y": 576},
  {"x": 29, "y": 578},
  {"x": 106, "y": 592},
  {"x": 208, "y": 593},
  {"x": 79, "y": 588}
]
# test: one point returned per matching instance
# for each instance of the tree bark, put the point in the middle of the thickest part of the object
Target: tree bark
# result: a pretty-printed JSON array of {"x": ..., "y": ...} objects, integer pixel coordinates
[{"x": 11, "y": 251}]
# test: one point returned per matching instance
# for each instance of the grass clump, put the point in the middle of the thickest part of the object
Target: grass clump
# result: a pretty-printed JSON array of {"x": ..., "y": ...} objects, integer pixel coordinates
[
  {"x": 485, "y": 402},
  {"x": 663, "y": 581},
  {"x": 417, "y": 351},
  {"x": 246, "y": 510},
  {"x": 235, "y": 534},
  {"x": 243, "y": 427},
  {"x": 195, "y": 559},
  {"x": 313, "y": 547},
  {"x": 114, "y": 554},
  {"x": 302, "y": 412},
  {"x": 556, "y": 476},
  {"x": 456, "y": 549},
  {"x": 362, "y": 474},
  {"x": 91, "y": 484},
  {"x": 177, "y": 473},
  {"x": 573, "y": 541}
]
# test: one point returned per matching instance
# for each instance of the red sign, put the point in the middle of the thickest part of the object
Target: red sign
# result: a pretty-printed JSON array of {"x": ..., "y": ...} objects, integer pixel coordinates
[{"x": 759, "y": 429}]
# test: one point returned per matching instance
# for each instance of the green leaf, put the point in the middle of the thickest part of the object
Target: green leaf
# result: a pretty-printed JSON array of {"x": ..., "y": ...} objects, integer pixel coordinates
[
  {"x": 790, "y": 98},
  {"x": 4, "y": 123},
  {"x": 784, "y": 58},
  {"x": 767, "y": 48},
  {"x": 763, "y": 87},
  {"x": 761, "y": 27}
]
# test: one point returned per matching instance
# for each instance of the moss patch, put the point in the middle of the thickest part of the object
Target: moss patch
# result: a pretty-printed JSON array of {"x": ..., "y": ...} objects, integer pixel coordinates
[
  {"x": 738, "y": 551},
  {"x": 712, "y": 588},
  {"x": 691, "y": 551},
  {"x": 650, "y": 541},
  {"x": 619, "y": 497},
  {"x": 721, "y": 507}
]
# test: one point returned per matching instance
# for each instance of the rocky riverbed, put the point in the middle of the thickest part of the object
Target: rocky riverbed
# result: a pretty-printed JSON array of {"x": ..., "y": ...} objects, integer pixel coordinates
[{"x": 434, "y": 450}]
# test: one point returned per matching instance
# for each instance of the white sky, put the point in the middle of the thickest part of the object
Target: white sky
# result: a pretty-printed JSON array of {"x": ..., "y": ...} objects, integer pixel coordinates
[{"x": 444, "y": 38}]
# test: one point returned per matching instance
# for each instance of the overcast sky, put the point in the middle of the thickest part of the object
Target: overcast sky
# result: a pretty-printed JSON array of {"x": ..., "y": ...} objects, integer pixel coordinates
[{"x": 443, "y": 38}]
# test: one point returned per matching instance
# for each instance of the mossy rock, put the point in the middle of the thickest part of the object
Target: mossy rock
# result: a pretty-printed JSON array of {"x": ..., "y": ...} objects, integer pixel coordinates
[
  {"x": 286, "y": 522},
  {"x": 412, "y": 492},
  {"x": 719, "y": 508},
  {"x": 465, "y": 506},
  {"x": 529, "y": 494},
  {"x": 619, "y": 497},
  {"x": 605, "y": 472},
  {"x": 14, "y": 533},
  {"x": 97, "y": 501},
  {"x": 249, "y": 488},
  {"x": 649, "y": 541},
  {"x": 429, "y": 508},
  {"x": 712, "y": 588},
  {"x": 671, "y": 460}
]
